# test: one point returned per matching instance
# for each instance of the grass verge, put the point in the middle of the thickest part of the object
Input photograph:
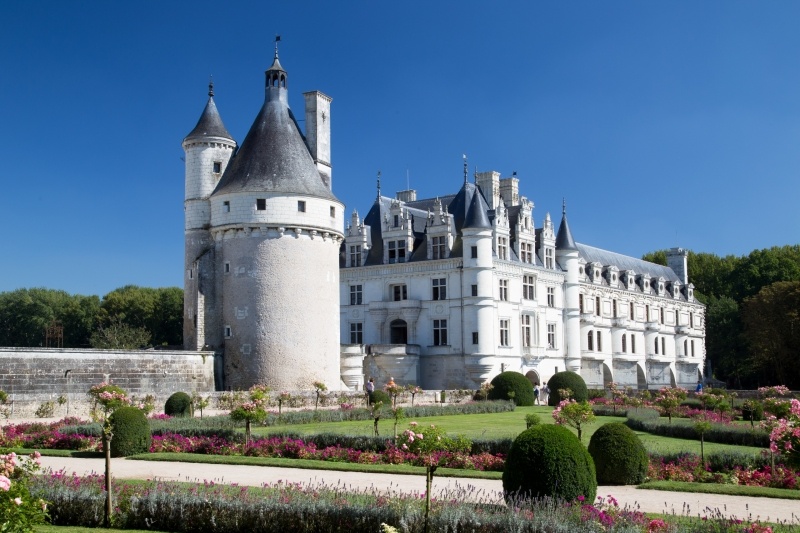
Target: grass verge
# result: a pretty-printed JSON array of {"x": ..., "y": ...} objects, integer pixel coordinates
[
  {"x": 718, "y": 488},
  {"x": 308, "y": 464}
]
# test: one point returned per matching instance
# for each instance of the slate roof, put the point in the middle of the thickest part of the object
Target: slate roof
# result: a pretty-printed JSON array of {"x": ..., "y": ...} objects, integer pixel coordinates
[
  {"x": 210, "y": 123},
  {"x": 625, "y": 262}
]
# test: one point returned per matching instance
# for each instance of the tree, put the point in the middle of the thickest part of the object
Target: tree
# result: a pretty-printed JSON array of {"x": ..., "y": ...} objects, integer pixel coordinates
[
  {"x": 772, "y": 325},
  {"x": 25, "y": 313},
  {"x": 574, "y": 414},
  {"x": 725, "y": 346},
  {"x": 159, "y": 311},
  {"x": 119, "y": 336},
  {"x": 669, "y": 399},
  {"x": 252, "y": 409}
]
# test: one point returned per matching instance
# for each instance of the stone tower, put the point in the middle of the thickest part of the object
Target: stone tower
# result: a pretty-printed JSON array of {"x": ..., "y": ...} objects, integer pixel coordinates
[
  {"x": 208, "y": 148},
  {"x": 276, "y": 231},
  {"x": 567, "y": 256}
]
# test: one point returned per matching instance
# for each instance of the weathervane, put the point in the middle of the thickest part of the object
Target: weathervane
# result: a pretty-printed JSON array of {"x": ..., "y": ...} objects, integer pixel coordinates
[
  {"x": 277, "y": 40},
  {"x": 465, "y": 168},
  {"x": 211, "y": 85},
  {"x": 379, "y": 185}
]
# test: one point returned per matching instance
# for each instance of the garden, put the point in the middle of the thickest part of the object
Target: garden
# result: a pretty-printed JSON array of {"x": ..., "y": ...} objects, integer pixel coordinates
[{"x": 667, "y": 439}]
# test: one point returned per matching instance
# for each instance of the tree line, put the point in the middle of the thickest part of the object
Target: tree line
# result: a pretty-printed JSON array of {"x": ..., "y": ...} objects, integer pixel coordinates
[
  {"x": 128, "y": 318},
  {"x": 752, "y": 314}
]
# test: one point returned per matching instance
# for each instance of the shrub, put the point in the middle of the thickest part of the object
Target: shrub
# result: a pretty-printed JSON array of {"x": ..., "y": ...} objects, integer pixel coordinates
[
  {"x": 595, "y": 394},
  {"x": 738, "y": 435},
  {"x": 180, "y": 405},
  {"x": 46, "y": 410},
  {"x": 381, "y": 396},
  {"x": 531, "y": 420},
  {"x": 131, "y": 432},
  {"x": 508, "y": 385},
  {"x": 567, "y": 380},
  {"x": 692, "y": 403},
  {"x": 619, "y": 456},
  {"x": 549, "y": 460},
  {"x": 752, "y": 411}
]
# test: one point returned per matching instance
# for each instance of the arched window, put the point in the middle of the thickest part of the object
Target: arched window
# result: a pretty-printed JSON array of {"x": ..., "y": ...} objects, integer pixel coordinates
[{"x": 590, "y": 341}]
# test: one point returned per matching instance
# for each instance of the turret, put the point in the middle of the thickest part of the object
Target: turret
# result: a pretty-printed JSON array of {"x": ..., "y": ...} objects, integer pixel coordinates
[
  {"x": 208, "y": 149},
  {"x": 568, "y": 257}
]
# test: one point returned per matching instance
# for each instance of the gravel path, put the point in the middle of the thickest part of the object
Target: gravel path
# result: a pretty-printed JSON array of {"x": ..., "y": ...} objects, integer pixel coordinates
[{"x": 651, "y": 501}]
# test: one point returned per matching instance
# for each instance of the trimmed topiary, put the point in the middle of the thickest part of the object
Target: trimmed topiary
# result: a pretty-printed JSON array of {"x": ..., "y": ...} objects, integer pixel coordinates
[
  {"x": 513, "y": 382},
  {"x": 131, "y": 432},
  {"x": 567, "y": 380},
  {"x": 380, "y": 396},
  {"x": 619, "y": 456},
  {"x": 180, "y": 405},
  {"x": 549, "y": 460}
]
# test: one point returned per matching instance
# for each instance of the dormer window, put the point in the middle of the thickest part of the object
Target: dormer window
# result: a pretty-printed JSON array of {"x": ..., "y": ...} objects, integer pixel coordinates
[
  {"x": 438, "y": 247},
  {"x": 397, "y": 251},
  {"x": 502, "y": 248},
  {"x": 397, "y": 221}
]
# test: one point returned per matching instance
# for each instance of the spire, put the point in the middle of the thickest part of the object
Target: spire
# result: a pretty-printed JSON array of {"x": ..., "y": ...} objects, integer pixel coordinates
[
  {"x": 465, "y": 169},
  {"x": 564, "y": 240},
  {"x": 210, "y": 123},
  {"x": 379, "y": 186},
  {"x": 477, "y": 216},
  {"x": 276, "y": 77}
]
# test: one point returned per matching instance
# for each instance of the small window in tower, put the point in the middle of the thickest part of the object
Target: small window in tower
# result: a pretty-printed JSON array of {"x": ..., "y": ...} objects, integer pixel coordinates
[
  {"x": 261, "y": 204},
  {"x": 474, "y": 337},
  {"x": 227, "y": 267},
  {"x": 191, "y": 274},
  {"x": 226, "y": 207},
  {"x": 333, "y": 211},
  {"x": 301, "y": 206},
  {"x": 474, "y": 252},
  {"x": 228, "y": 333},
  {"x": 217, "y": 167},
  {"x": 474, "y": 290}
]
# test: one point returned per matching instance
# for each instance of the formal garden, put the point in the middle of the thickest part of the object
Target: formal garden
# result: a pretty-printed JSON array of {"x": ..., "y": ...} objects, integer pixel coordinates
[{"x": 550, "y": 458}]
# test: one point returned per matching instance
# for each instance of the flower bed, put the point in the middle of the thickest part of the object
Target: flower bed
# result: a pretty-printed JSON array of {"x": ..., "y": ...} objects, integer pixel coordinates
[
  {"x": 49, "y": 436},
  {"x": 689, "y": 468}
]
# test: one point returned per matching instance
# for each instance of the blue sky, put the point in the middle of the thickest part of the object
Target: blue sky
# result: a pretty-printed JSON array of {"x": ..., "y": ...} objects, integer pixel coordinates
[{"x": 662, "y": 123}]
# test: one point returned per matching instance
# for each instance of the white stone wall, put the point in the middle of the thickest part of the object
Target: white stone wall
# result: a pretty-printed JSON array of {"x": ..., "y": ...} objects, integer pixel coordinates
[
  {"x": 280, "y": 299},
  {"x": 281, "y": 211}
]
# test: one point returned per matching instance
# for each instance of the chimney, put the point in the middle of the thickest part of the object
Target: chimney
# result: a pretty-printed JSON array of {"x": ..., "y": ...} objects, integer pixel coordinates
[
  {"x": 677, "y": 260},
  {"x": 318, "y": 132}
]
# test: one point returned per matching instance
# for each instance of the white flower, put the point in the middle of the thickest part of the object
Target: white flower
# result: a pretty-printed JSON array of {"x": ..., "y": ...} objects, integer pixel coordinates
[{"x": 18, "y": 501}]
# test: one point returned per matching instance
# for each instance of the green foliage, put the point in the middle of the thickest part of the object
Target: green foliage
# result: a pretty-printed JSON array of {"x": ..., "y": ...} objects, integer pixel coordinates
[
  {"x": 574, "y": 414},
  {"x": 532, "y": 419},
  {"x": 425, "y": 439},
  {"x": 46, "y": 409},
  {"x": 549, "y": 460},
  {"x": 512, "y": 385},
  {"x": 380, "y": 396},
  {"x": 19, "y": 510},
  {"x": 179, "y": 404},
  {"x": 752, "y": 410},
  {"x": 736, "y": 435},
  {"x": 619, "y": 456},
  {"x": 158, "y": 311},
  {"x": 131, "y": 432},
  {"x": 117, "y": 335},
  {"x": 566, "y": 380}
]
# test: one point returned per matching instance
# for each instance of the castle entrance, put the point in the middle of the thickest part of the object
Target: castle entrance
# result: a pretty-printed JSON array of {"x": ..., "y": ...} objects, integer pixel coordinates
[{"x": 398, "y": 332}]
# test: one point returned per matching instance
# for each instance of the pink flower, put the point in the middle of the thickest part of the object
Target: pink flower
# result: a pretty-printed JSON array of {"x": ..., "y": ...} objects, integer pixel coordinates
[
  {"x": 18, "y": 501},
  {"x": 5, "y": 483}
]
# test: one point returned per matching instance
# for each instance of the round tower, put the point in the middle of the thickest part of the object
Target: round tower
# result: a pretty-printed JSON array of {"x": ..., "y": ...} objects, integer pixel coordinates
[
  {"x": 477, "y": 287},
  {"x": 277, "y": 229},
  {"x": 568, "y": 257},
  {"x": 207, "y": 149}
]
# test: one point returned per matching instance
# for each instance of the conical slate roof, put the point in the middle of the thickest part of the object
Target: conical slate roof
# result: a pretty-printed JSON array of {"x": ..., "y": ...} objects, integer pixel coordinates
[
  {"x": 210, "y": 123},
  {"x": 273, "y": 156},
  {"x": 477, "y": 214},
  {"x": 564, "y": 240}
]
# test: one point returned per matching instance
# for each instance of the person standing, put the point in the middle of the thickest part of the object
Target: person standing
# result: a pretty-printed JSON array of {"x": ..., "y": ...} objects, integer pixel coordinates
[
  {"x": 370, "y": 390},
  {"x": 536, "y": 394}
]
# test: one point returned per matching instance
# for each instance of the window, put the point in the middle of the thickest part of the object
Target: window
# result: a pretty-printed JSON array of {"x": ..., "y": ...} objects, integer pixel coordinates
[
  {"x": 661, "y": 315},
  {"x": 624, "y": 343},
  {"x": 614, "y": 307},
  {"x": 474, "y": 290},
  {"x": 438, "y": 248},
  {"x": 633, "y": 344},
  {"x": 597, "y": 306},
  {"x": 692, "y": 347},
  {"x": 227, "y": 332},
  {"x": 261, "y": 204},
  {"x": 691, "y": 320},
  {"x": 656, "y": 341},
  {"x": 355, "y": 256},
  {"x": 474, "y": 252},
  {"x": 357, "y": 333},
  {"x": 227, "y": 267},
  {"x": 590, "y": 340},
  {"x": 399, "y": 292},
  {"x": 647, "y": 313},
  {"x": 599, "y": 341},
  {"x": 551, "y": 336},
  {"x": 439, "y": 287},
  {"x": 529, "y": 287},
  {"x": 439, "y": 332},
  {"x": 397, "y": 221},
  {"x": 664, "y": 345},
  {"x": 301, "y": 206},
  {"x": 526, "y": 252},
  {"x": 356, "y": 292},
  {"x": 226, "y": 207},
  {"x": 631, "y": 311},
  {"x": 502, "y": 247},
  {"x": 397, "y": 251},
  {"x": 474, "y": 337},
  {"x": 333, "y": 211},
  {"x": 551, "y": 296},
  {"x": 504, "y": 333},
  {"x": 548, "y": 258},
  {"x": 504, "y": 290},
  {"x": 217, "y": 167},
  {"x": 527, "y": 338},
  {"x": 685, "y": 347},
  {"x": 191, "y": 274},
  {"x": 580, "y": 303}
]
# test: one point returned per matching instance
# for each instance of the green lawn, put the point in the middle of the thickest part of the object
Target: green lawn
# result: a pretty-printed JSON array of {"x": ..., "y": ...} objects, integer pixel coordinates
[{"x": 499, "y": 425}]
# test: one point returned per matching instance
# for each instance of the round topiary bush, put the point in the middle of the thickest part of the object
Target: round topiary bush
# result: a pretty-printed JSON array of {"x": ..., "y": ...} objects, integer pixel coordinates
[
  {"x": 619, "y": 456},
  {"x": 381, "y": 396},
  {"x": 131, "y": 432},
  {"x": 549, "y": 460},
  {"x": 514, "y": 382},
  {"x": 180, "y": 405},
  {"x": 567, "y": 380}
]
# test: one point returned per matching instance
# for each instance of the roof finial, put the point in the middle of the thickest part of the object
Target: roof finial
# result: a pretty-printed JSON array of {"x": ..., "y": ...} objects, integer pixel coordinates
[
  {"x": 211, "y": 86},
  {"x": 564, "y": 206},
  {"x": 277, "y": 40},
  {"x": 475, "y": 176},
  {"x": 465, "y": 168},
  {"x": 379, "y": 185}
]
